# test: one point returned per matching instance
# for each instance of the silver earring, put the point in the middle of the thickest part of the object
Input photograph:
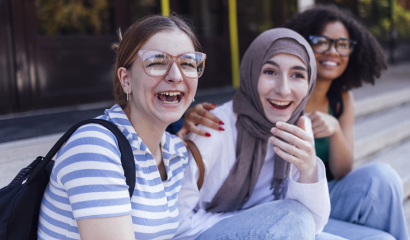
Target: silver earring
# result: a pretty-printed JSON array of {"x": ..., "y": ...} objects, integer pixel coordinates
[
  {"x": 193, "y": 100},
  {"x": 128, "y": 96}
]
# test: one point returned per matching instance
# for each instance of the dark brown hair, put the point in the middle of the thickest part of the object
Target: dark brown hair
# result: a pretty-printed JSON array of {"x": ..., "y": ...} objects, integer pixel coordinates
[
  {"x": 367, "y": 60},
  {"x": 136, "y": 36}
]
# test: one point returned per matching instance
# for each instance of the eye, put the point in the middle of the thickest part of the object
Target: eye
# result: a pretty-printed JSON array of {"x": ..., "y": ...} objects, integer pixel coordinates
[
  {"x": 187, "y": 64},
  {"x": 298, "y": 75},
  {"x": 269, "y": 71},
  {"x": 155, "y": 64}
]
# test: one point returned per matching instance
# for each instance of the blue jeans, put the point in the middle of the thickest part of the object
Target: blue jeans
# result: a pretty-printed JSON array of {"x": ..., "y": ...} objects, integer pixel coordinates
[
  {"x": 282, "y": 219},
  {"x": 367, "y": 204}
]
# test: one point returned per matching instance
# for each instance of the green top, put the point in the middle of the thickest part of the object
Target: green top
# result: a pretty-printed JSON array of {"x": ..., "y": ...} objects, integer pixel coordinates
[{"x": 322, "y": 145}]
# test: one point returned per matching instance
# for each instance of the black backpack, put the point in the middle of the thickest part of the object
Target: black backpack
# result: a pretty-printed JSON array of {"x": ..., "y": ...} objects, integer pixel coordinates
[{"x": 20, "y": 201}]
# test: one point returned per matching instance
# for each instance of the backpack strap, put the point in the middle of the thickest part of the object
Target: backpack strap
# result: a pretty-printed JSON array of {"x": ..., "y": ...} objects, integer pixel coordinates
[
  {"x": 198, "y": 159},
  {"x": 127, "y": 156}
]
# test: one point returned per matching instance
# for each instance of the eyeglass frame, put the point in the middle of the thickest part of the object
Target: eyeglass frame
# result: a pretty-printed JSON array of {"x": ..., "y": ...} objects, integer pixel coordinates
[
  {"x": 140, "y": 53},
  {"x": 351, "y": 41}
]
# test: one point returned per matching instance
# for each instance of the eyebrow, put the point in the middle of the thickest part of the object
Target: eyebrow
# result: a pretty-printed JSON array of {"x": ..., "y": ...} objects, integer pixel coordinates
[{"x": 294, "y": 67}]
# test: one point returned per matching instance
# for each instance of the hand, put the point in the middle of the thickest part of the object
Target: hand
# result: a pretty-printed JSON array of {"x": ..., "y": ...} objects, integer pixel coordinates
[
  {"x": 299, "y": 150},
  {"x": 200, "y": 115},
  {"x": 323, "y": 125}
]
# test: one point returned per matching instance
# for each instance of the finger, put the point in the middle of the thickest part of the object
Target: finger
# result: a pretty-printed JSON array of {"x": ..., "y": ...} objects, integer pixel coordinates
[
  {"x": 312, "y": 116},
  {"x": 199, "y": 131},
  {"x": 208, "y": 106},
  {"x": 319, "y": 129},
  {"x": 321, "y": 134},
  {"x": 292, "y": 139},
  {"x": 207, "y": 114},
  {"x": 287, "y": 157},
  {"x": 207, "y": 122},
  {"x": 301, "y": 123},
  {"x": 316, "y": 123},
  {"x": 182, "y": 132},
  {"x": 293, "y": 129},
  {"x": 288, "y": 148}
]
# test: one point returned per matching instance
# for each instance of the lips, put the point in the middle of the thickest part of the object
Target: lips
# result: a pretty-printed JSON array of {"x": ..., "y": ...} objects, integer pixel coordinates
[
  {"x": 170, "y": 96},
  {"x": 280, "y": 105}
]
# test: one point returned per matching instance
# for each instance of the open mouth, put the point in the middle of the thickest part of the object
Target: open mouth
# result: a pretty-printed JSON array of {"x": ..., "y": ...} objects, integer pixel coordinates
[
  {"x": 170, "y": 97},
  {"x": 279, "y": 104}
]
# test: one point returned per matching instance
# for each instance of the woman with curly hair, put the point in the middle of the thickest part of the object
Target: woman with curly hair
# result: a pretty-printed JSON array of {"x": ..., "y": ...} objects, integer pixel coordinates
[{"x": 347, "y": 56}]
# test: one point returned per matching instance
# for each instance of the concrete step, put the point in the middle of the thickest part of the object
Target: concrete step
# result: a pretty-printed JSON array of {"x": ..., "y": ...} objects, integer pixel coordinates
[
  {"x": 398, "y": 157},
  {"x": 380, "y": 130},
  {"x": 383, "y": 101}
]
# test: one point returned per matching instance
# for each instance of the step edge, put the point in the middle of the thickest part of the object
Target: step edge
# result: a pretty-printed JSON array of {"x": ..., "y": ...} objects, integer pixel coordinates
[
  {"x": 381, "y": 102},
  {"x": 372, "y": 144}
]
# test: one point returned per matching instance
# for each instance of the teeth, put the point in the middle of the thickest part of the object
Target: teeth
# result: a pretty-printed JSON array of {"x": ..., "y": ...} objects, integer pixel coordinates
[
  {"x": 280, "y": 103},
  {"x": 334, "y": 64},
  {"x": 176, "y": 101},
  {"x": 170, "y": 93}
]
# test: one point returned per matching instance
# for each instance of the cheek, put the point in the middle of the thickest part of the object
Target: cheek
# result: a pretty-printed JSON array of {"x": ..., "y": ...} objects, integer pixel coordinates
[
  {"x": 300, "y": 88},
  {"x": 264, "y": 88}
]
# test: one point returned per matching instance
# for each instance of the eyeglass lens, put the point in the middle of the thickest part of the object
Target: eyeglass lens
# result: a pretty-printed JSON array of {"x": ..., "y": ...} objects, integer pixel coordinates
[
  {"x": 321, "y": 44},
  {"x": 157, "y": 64}
]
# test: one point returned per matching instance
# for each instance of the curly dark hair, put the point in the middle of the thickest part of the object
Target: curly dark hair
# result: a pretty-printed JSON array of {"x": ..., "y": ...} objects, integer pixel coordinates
[{"x": 367, "y": 60}]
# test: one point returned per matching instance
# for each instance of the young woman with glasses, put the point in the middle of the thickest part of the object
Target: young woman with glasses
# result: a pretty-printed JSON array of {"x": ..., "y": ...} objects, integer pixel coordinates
[
  {"x": 156, "y": 76},
  {"x": 347, "y": 55}
]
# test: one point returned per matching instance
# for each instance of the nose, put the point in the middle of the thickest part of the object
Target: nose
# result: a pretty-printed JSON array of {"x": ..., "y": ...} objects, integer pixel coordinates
[
  {"x": 174, "y": 75},
  {"x": 332, "y": 50},
  {"x": 282, "y": 87}
]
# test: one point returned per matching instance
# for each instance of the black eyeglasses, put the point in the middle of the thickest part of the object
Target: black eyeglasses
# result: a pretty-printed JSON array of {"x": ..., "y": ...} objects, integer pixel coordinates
[{"x": 322, "y": 44}]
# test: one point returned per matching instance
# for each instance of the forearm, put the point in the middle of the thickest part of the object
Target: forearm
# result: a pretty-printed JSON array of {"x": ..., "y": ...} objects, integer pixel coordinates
[{"x": 340, "y": 155}]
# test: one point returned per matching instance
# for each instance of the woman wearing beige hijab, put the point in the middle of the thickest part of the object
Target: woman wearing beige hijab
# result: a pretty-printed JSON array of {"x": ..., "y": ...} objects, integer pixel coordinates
[{"x": 265, "y": 153}]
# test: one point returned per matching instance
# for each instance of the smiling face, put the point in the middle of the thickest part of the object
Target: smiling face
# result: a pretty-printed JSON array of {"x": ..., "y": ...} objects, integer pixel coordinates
[
  {"x": 330, "y": 65},
  {"x": 162, "y": 100},
  {"x": 282, "y": 85}
]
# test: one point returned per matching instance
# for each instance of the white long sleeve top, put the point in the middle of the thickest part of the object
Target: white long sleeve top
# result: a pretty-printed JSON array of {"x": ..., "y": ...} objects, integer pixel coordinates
[{"x": 218, "y": 153}]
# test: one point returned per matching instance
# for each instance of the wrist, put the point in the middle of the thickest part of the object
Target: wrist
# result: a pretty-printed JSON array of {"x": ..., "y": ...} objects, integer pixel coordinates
[{"x": 309, "y": 175}]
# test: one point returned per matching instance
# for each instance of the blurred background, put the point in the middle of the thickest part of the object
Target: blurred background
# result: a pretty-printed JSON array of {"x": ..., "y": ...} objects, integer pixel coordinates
[{"x": 56, "y": 53}]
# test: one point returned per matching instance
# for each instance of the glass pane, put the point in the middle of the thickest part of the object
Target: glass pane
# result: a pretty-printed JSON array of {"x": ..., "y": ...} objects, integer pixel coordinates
[{"x": 74, "y": 17}]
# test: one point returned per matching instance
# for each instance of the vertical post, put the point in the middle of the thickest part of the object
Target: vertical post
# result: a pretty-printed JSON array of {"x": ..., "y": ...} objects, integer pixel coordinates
[
  {"x": 165, "y": 7},
  {"x": 233, "y": 33}
]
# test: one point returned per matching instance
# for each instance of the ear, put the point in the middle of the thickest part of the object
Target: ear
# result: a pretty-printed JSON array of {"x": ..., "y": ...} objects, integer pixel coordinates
[{"x": 125, "y": 79}]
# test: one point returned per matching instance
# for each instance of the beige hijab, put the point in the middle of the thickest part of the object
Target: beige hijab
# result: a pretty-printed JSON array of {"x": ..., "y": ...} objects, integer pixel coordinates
[{"x": 253, "y": 126}]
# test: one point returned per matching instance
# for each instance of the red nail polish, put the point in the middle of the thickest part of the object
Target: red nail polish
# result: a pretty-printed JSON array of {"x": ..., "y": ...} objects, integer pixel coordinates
[
  {"x": 222, "y": 123},
  {"x": 207, "y": 134},
  {"x": 220, "y": 128},
  {"x": 213, "y": 104}
]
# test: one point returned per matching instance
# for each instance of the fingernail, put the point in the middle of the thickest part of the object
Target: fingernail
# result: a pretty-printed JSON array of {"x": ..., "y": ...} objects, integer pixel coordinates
[
  {"x": 222, "y": 123},
  {"x": 279, "y": 124},
  {"x": 274, "y": 130},
  {"x": 220, "y": 128},
  {"x": 207, "y": 134},
  {"x": 213, "y": 104},
  {"x": 272, "y": 139}
]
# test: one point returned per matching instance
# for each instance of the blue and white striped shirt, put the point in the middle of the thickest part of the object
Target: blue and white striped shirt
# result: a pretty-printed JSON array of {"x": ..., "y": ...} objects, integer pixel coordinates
[{"x": 87, "y": 181}]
